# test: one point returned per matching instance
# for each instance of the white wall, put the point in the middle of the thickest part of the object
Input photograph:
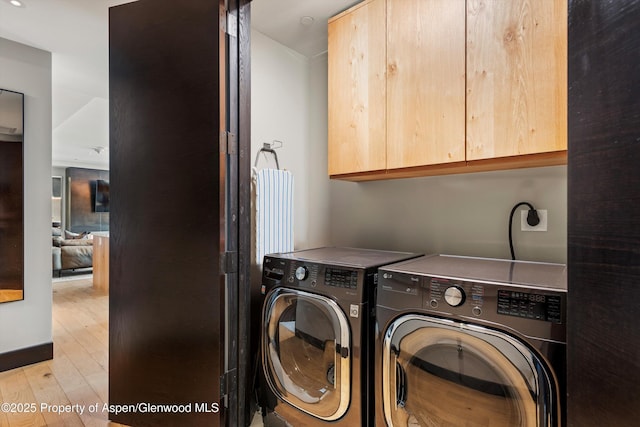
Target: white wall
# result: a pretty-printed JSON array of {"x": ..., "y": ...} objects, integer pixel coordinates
[
  {"x": 318, "y": 197},
  {"x": 288, "y": 103},
  {"x": 28, "y": 70}
]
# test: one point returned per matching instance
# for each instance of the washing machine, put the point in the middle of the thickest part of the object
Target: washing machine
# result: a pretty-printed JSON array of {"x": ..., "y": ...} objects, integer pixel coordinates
[
  {"x": 317, "y": 335},
  {"x": 467, "y": 341}
]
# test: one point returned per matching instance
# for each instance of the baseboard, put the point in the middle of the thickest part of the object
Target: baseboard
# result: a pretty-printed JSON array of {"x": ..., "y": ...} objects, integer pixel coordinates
[{"x": 26, "y": 356}]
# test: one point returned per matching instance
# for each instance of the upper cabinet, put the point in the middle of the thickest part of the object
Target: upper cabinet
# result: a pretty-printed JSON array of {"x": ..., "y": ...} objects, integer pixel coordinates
[
  {"x": 516, "y": 77},
  {"x": 425, "y": 82},
  {"x": 424, "y": 87},
  {"x": 357, "y": 63}
]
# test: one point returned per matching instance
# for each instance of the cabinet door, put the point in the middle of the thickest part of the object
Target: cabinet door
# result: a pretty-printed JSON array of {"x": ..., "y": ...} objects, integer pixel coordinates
[
  {"x": 357, "y": 66},
  {"x": 425, "y": 82},
  {"x": 516, "y": 77}
]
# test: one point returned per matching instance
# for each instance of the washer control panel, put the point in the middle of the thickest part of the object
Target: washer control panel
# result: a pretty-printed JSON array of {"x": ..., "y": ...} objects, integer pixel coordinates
[
  {"x": 341, "y": 278},
  {"x": 304, "y": 274}
]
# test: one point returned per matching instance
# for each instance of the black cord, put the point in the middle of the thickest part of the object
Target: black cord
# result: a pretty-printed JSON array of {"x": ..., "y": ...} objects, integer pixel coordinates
[{"x": 532, "y": 219}]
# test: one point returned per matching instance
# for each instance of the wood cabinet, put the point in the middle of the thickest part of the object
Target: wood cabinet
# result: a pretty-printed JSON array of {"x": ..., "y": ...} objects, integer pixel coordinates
[
  {"x": 357, "y": 63},
  {"x": 425, "y": 82},
  {"x": 516, "y": 77},
  {"x": 101, "y": 262},
  {"x": 469, "y": 86}
]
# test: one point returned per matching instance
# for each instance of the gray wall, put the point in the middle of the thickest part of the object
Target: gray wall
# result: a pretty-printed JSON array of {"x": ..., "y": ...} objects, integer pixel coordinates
[
  {"x": 455, "y": 214},
  {"x": 28, "y": 70}
]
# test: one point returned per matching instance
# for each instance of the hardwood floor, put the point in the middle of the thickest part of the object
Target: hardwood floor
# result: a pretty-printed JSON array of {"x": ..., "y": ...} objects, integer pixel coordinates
[{"x": 77, "y": 377}]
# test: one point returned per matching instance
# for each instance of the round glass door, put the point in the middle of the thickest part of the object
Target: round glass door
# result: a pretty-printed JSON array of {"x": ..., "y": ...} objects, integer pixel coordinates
[
  {"x": 447, "y": 373},
  {"x": 306, "y": 352}
]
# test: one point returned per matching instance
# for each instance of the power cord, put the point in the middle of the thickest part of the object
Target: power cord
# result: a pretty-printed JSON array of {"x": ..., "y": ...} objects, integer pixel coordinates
[{"x": 532, "y": 219}]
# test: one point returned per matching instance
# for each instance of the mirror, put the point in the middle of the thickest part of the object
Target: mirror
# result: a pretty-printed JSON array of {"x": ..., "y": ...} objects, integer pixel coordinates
[
  {"x": 11, "y": 196},
  {"x": 56, "y": 201}
]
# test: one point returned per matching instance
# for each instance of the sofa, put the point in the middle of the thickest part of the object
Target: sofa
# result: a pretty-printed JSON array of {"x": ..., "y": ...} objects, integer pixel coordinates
[{"x": 70, "y": 251}]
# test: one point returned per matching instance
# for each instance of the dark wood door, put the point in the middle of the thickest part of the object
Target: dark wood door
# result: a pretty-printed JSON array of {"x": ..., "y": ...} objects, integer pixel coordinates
[
  {"x": 171, "y": 201},
  {"x": 604, "y": 213}
]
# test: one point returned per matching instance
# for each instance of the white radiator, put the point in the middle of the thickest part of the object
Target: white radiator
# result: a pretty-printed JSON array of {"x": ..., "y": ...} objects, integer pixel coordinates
[{"x": 274, "y": 212}]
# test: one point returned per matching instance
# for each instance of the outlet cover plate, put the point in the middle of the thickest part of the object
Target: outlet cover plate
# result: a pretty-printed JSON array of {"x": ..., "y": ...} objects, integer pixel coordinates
[{"x": 542, "y": 214}]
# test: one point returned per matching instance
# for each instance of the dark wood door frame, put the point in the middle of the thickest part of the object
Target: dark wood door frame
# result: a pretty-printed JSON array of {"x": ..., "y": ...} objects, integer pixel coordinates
[
  {"x": 235, "y": 15},
  {"x": 246, "y": 316},
  {"x": 603, "y": 344}
]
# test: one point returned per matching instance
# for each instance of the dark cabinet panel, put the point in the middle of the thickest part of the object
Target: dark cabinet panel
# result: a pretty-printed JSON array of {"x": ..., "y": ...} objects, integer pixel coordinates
[{"x": 604, "y": 213}]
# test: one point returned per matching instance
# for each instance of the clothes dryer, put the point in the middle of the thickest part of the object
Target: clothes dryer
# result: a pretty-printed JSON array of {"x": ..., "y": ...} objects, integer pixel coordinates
[
  {"x": 317, "y": 335},
  {"x": 470, "y": 341}
]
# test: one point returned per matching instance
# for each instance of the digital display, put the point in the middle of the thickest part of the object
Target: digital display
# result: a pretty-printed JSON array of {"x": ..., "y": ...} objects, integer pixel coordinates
[
  {"x": 530, "y": 305},
  {"x": 341, "y": 278}
]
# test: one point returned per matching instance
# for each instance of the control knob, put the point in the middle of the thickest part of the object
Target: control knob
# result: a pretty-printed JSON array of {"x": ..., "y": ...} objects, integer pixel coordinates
[
  {"x": 454, "y": 296},
  {"x": 302, "y": 272}
]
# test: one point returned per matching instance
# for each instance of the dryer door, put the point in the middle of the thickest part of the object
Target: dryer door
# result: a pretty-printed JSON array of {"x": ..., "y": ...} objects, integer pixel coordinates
[
  {"x": 306, "y": 352},
  {"x": 443, "y": 372}
]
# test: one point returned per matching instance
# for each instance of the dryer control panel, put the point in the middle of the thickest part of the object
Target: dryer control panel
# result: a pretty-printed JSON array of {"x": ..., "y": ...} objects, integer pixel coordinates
[
  {"x": 534, "y": 312},
  {"x": 500, "y": 299},
  {"x": 527, "y": 297},
  {"x": 530, "y": 305}
]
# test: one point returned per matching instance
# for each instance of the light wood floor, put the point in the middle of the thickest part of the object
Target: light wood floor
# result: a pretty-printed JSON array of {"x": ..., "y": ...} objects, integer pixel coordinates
[{"x": 78, "y": 373}]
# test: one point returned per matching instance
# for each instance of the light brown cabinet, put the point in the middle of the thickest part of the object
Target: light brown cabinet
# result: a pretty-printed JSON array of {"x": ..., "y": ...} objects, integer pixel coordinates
[
  {"x": 516, "y": 77},
  {"x": 469, "y": 86},
  {"x": 357, "y": 63},
  {"x": 425, "y": 82},
  {"x": 101, "y": 262}
]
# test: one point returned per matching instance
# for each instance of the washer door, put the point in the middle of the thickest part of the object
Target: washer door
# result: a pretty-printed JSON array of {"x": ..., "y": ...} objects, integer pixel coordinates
[
  {"x": 306, "y": 352},
  {"x": 445, "y": 373}
]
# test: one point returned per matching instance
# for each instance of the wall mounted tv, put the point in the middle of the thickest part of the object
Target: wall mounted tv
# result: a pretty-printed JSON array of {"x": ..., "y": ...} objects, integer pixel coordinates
[{"x": 102, "y": 196}]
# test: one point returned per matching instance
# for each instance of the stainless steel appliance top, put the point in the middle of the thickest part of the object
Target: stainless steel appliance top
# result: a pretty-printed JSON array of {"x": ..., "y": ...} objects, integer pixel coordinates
[
  {"x": 347, "y": 257},
  {"x": 526, "y": 273}
]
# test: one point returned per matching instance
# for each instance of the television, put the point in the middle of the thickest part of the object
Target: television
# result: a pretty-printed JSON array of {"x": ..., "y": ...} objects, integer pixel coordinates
[{"x": 102, "y": 196}]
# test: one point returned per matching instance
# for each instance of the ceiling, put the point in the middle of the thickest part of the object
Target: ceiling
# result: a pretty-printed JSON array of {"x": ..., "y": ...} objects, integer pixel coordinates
[
  {"x": 76, "y": 32},
  {"x": 281, "y": 21}
]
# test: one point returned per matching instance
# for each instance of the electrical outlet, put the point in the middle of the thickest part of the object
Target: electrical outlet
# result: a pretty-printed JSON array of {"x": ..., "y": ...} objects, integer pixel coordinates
[{"x": 542, "y": 214}]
